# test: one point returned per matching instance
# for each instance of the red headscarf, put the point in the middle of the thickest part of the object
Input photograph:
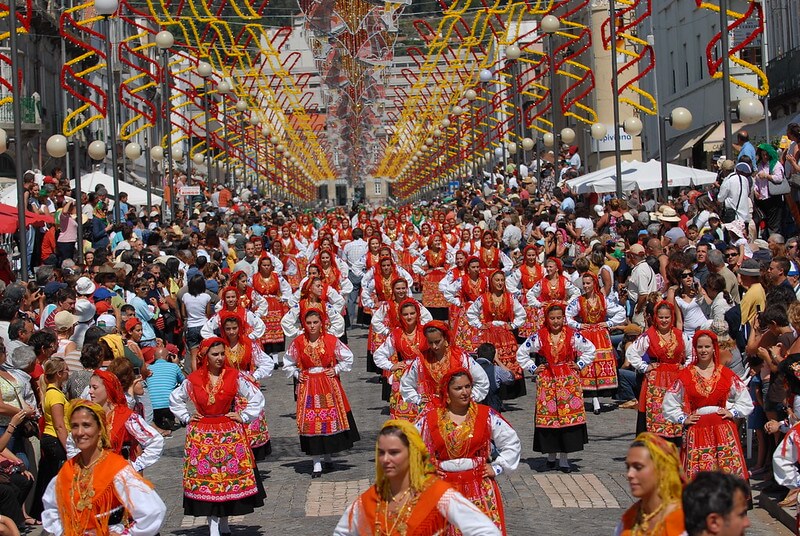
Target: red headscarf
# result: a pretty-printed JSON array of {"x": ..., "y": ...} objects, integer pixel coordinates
[
  {"x": 113, "y": 387},
  {"x": 444, "y": 384},
  {"x": 600, "y": 296},
  {"x": 714, "y": 341},
  {"x": 441, "y": 326},
  {"x": 205, "y": 346},
  {"x": 657, "y": 350},
  {"x": 323, "y": 317}
]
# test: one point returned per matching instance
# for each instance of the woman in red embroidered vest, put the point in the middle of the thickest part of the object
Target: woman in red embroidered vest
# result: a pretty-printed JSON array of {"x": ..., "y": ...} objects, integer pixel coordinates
[
  {"x": 248, "y": 300},
  {"x": 407, "y": 498},
  {"x": 593, "y": 314},
  {"x": 230, "y": 303},
  {"x": 523, "y": 279},
  {"x": 395, "y": 355},
  {"x": 560, "y": 422},
  {"x": 407, "y": 246},
  {"x": 246, "y": 356},
  {"x": 315, "y": 294},
  {"x": 295, "y": 250},
  {"x": 456, "y": 271},
  {"x": 95, "y": 486},
  {"x": 291, "y": 271},
  {"x": 324, "y": 419},
  {"x": 669, "y": 351},
  {"x": 420, "y": 384},
  {"x": 127, "y": 429},
  {"x": 219, "y": 473},
  {"x": 554, "y": 287},
  {"x": 277, "y": 293},
  {"x": 462, "y": 293},
  {"x": 460, "y": 436},
  {"x": 431, "y": 267},
  {"x": 495, "y": 314},
  {"x": 491, "y": 257},
  {"x": 705, "y": 399}
]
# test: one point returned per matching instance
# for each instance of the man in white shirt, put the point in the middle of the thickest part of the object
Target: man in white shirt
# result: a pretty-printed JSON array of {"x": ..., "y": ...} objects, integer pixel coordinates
[
  {"x": 734, "y": 192},
  {"x": 641, "y": 282},
  {"x": 354, "y": 253}
]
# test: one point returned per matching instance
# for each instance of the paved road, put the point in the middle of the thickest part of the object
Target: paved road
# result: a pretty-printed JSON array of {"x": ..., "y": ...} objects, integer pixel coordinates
[{"x": 586, "y": 502}]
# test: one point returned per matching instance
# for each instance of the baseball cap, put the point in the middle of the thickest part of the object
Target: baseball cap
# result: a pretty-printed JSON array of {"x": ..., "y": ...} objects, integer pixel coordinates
[
  {"x": 106, "y": 322},
  {"x": 52, "y": 287},
  {"x": 64, "y": 320},
  {"x": 103, "y": 294},
  {"x": 636, "y": 249}
]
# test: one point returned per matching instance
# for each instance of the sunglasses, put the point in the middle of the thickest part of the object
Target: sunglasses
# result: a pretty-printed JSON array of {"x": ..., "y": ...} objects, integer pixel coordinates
[
  {"x": 731, "y": 255},
  {"x": 687, "y": 274}
]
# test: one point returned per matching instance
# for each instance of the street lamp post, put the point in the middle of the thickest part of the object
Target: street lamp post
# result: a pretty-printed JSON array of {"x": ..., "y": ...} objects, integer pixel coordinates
[
  {"x": 205, "y": 70},
  {"x": 680, "y": 119},
  {"x": 726, "y": 80},
  {"x": 614, "y": 96},
  {"x": 471, "y": 95},
  {"x": 224, "y": 88},
  {"x": 148, "y": 172},
  {"x": 550, "y": 25},
  {"x": 107, "y": 8},
  {"x": 164, "y": 41},
  {"x": 513, "y": 54},
  {"x": 16, "y": 104}
]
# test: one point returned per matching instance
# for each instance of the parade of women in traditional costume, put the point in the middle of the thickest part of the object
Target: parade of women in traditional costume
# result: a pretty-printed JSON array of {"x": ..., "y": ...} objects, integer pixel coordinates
[
  {"x": 254, "y": 364},
  {"x": 560, "y": 418},
  {"x": 220, "y": 478},
  {"x": 593, "y": 314},
  {"x": 460, "y": 436},
  {"x": 705, "y": 400},
  {"x": 325, "y": 421},
  {"x": 98, "y": 491},
  {"x": 277, "y": 292},
  {"x": 496, "y": 314},
  {"x": 407, "y": 497},
  {"x": 462, "y": 293},
  {"x": 668, "y": 352}
]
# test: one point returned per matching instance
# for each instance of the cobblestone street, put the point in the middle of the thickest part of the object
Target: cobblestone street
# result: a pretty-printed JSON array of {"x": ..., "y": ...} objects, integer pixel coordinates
[{"x": 588, "y": 501}]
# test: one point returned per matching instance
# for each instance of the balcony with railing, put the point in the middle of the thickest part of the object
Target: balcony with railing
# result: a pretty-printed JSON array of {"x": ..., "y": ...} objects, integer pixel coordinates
[
  {"x": 784, "y": 75},
  {"x": 31, "y": 116}
]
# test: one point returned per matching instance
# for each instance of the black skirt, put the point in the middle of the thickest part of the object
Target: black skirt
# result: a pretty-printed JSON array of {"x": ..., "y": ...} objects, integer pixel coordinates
[
  {"x": 553, "y": 440},
  {"x": 318, "y": 445},
  {"x": 261, "y": 453},
  {"x": 239, "y": 507},
  {"x": 275, "y": 347},
  {"x": 371, "y": 366},
  {"x": 439, "y": 313},
  {"x": 516, "y": 389},
  {"x": 363, "y": 318}
]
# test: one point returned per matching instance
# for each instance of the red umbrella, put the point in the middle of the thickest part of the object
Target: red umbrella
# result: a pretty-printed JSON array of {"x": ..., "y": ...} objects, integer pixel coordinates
[{"x": 9, "y": 214}]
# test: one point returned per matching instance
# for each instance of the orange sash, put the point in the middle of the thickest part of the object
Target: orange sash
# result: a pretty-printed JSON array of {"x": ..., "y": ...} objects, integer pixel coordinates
[
  {"x": 77, "y": 520},
  {"x": 424, "y": 520}
]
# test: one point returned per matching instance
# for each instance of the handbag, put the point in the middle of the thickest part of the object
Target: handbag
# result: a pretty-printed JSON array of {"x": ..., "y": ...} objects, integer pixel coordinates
[
  {"x": 30, "y": 426},
  {"x": 781, "y": 188}
]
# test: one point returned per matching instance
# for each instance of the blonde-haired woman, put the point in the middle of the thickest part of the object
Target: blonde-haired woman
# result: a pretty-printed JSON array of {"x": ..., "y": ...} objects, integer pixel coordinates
[
  {"x": 408, "y": 494},
  {"x": 96, "y": 483},
  {"x": 656, "y": 480},
  {"x": 54, "y": 438}
]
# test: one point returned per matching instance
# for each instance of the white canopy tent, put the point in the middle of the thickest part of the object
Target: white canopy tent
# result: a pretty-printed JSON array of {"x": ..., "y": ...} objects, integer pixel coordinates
[
  {"x": 640, "y": 176},
  {"x": 136, "y": 196}
]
